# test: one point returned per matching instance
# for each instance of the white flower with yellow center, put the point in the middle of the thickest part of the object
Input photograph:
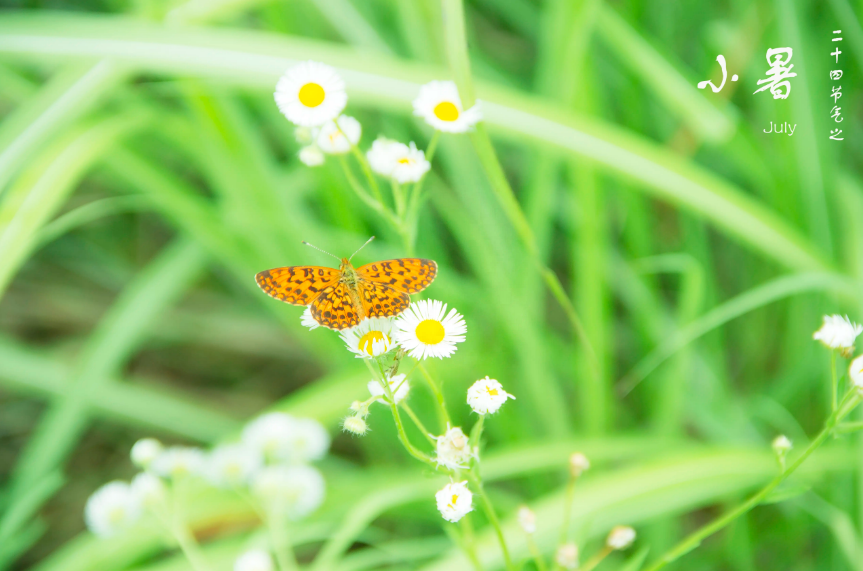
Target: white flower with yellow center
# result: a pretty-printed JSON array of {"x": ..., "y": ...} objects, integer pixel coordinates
[
  {"x": 232, "y": 465},
  {"x": 567, "y": 556},
  {"x": 338, "y": 139},
  {"x": 486, "y": 396},
  {"x": 855, "y": 372},
  {"x": 453, "y": 449},
  {"x": 111, "y": 509},
  {"x": 279, "y": 437},
  {"x": 620, "y": 537},
  {"x": 372, "y": 337},
  {"x": 310, "y": 94},
  {"x": 838, "y": 332},
  {"x": 439, "y": 104},
  {"x": 145, "y": 451},
  {"x": 306, "y": 319},
  {"x": 398, "y": 385},
  {"x": 454, "y": 501},
  {"x": 254, "y": 560},
  {"x": 149, "y": 490},
  {"x": 309, "y": 440},
  {"x": 398, "y": 161},
  {"x": 426, "y": 330},
  {"x": 179, "y": 462},
  {"x": 311, "y": 156},
  {"x": 289, "y": 491}
]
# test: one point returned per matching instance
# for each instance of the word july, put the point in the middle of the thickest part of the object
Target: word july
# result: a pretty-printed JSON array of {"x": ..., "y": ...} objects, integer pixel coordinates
[
  {"x": 785, "y": 127},
  {"x": 777, "y": 80}
]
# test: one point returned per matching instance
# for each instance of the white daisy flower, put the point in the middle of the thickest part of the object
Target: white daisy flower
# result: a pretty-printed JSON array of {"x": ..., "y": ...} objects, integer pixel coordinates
[
  {"x": 425, "y": 329},
  {"x": 398, "y": 161},
  {"x": 486, "y": 396},
  {"x": 254, "y": 560},
  {"x": 454, "y": 501},
  {"x": 578, "y": 463},
  {"x": 145, "y": 451},
  {"x": 620, "y": 537},
  {"x": 111, "y": 509},
  {"x": 398, "y": 385},
  {"x": 567, "y": 556},
  {"x": 838, "y": 332},
  {"x": 338, "y": 140},
  {"x": 372, "y": 337},
  {"x": 306, "y": 319},
  {"x": 527, "y": 520},
  {"x": 855, "y": 372},
  {"x": 290, "y": 491},
  {"x": 781, "y": 445},
  {"x": 439, "y": 104},
  {"x": 310, "y": 94},
  {"x": 232, "y": 465},
  {"x": 453, "y": 449},
  {"x": 311, "y": 156},
  {"x": 149, "y": 490},
  {"x": 280, "y": 437},
  {"x": 179, "y": 462}
]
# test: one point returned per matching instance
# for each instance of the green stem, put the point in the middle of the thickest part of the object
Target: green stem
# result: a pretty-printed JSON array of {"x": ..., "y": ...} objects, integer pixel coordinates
[
  {"x": 398, "y": 199},
  {"x": 415, "y": 194},
  {"x": 285, "y": 557},
  {"x": 537, "y": 556},
  {"x": 469, "y": 541},
  {"x": 835, "y": 380},
  {"x": 596, "y": 559},
  {"x": 441, "y": 405},
  {"x": 456, "y": 47},
  {"x": 488, "y": 508},
  {"x": 694, "y": 539},
  {"x": 848, "y": 427},
  {"x": 567, "y": 509},
  {"x": 189, "y": 547},
  {"x": 418, "y": 423}
]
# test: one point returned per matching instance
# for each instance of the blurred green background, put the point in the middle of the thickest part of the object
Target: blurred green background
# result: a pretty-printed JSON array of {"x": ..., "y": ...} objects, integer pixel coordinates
[{"x": 146, "y": 176}]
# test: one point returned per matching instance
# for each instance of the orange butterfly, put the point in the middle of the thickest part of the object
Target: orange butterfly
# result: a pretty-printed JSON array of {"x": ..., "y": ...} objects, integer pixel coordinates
[{"x": 341, "y": 298}]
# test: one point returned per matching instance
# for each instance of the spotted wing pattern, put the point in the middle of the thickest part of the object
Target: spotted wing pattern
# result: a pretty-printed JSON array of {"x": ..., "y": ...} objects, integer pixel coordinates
[
  {"x": 380, "y": 300},
  {"x": 406, "y": 275},
  {"x": 334, "y": 308},
  {"x": 298, "y": 285}
]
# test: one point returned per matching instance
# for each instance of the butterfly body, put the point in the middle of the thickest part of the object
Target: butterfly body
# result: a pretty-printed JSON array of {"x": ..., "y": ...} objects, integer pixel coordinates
[{"x": 341, "y": 298}]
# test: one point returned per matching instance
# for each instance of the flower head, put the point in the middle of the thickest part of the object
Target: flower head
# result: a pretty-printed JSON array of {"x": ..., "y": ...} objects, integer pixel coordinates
[
  {"x": 149, "y": 490},
  {"x": 311, "y": 156},
  {"x": 454, "y": 501},
  {"x": 254, "y": 560},
  {"x": 398, "y": 161},
  {"x": 567, "y": 556},
  {"x": 372, "y": 337},
  {"x": 578, "y": 463},
  {"x": 232, "y": 465},
  {"x": 145, "y": 451},
  {"x": 781, "y": 445},
  {"x": 527, "y": 520},
  {"x": 290, "y": 491},
  {"x": 111, "y": 509},
  {"x": 310, "y": 94},
  {"x": 620, "y": 537},
  {"x": 398, "y": 385},
  {"x": 486, "y": 396},
  {"x": 453, "y": 449},
  {"x": 439, "y": 104},
  {"x": 838, "y": 332},
  {"x": 855, "y": 372},
  {"x": 179, "y": 462},
  {"x": 280, "y": 437},
  {"x": 355, "y": 425},
  {"x": 306, "y": 319},
  {"x": 426, "y": 330},
  {"x": 337, "y": 139}
]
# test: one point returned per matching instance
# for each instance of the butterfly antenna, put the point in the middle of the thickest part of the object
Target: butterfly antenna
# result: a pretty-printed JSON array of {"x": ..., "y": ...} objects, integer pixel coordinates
[
  {"x": 361, "y": 247},
  {"x": 319, "y": 250}
]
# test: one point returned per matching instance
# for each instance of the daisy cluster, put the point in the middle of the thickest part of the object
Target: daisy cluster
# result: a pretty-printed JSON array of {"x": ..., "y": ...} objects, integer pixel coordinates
[
  {"x": 838, "y": 333},
  {"x": 312, "y": 96},
  {"x": 269, "y": 465}
]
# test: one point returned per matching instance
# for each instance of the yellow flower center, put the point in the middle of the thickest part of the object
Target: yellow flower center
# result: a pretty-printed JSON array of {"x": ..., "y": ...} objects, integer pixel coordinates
[
  {"x": 492, "y": 392},
  {"x": 446, "y": 111},
  {"x": 368, "y": 340},
  {"x": 311, "y": 95},
  {"x": 454, "y": 500},
  {"x": 405, "y": 161},
  {"x": 430, "y": 332},
  {"x": 117, "y": 515}
]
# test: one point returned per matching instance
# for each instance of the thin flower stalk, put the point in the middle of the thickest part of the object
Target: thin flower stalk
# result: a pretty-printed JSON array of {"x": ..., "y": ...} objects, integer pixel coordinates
[
  {"x": 596, "y": 559},
  {"x": 441, "y": 406}
]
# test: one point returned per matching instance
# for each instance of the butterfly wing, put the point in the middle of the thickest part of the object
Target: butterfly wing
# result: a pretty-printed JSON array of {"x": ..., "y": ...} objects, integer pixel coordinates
[
  {"x": 381, "y": 300},
  {"x": 406, "y": 275},
  {"x": 334, "y": 308},
  {"x": 298, "y": 285}
]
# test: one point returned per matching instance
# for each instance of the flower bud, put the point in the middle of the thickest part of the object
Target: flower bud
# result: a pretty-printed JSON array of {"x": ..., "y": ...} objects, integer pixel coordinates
[
  {"x": 578, "y": 463},
  {"x": 355, "y": 425},
  {"x": 527, "y": 520},
  {"x": 567, "y": 556},
  {"x": 620, "y": 537}
]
